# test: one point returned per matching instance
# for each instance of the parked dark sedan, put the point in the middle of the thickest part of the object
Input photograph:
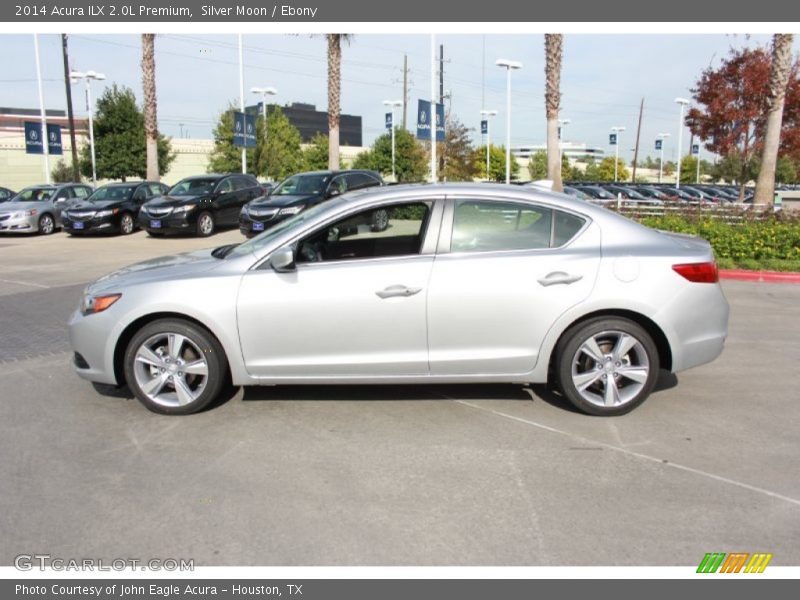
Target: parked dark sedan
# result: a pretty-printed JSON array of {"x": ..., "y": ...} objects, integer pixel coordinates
[
  {"x": 6, "y": 194},
  {"x": 200, "y": 204},
  {"x": 112, "y": 208},
  {"x": 301, "y": 191}
]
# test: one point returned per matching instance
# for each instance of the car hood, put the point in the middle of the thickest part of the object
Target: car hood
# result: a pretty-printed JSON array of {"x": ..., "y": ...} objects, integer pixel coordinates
[
  {"x": 9, "y": 207},
  {"x": 176, "y": 266},
  {"x": 166, "y": 201},
  {"x": 279, "y": 201},
  {"x": 97, "y": 205}
]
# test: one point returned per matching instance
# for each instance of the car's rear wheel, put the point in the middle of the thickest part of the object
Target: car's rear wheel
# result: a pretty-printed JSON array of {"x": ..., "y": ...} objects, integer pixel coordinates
[
  {"x": 175, "y": 367},
  {"x": 205, "y": 224},
  {"x": 607, "y": 366},
  {"x": 126, "y": 224},
  {"x": 46, "y": 224}
]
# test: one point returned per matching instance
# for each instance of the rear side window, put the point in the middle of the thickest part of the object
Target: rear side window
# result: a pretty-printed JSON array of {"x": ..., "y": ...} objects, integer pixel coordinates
[{"x": 486, "y": 226}]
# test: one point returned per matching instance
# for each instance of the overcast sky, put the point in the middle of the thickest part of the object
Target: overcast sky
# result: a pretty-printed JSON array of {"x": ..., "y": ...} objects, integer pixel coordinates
[{"x": 604, "y": 78}]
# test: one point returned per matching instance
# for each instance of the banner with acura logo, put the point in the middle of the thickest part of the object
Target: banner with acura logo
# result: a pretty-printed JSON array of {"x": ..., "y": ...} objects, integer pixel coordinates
[
  {"x": 424, "y": 121},
  {"x": 33, "y": 138}
]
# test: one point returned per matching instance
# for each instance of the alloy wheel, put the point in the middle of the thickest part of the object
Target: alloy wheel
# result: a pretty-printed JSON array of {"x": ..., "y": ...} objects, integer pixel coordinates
[{"x": 170, "y": 369}]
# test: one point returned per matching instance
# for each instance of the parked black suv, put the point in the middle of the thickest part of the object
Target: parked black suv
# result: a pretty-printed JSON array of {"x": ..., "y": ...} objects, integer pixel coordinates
[
  {"x": 200, "y": 204},
  {"x": 300, "y": 191},
  {"x": 113, "y": 207}
]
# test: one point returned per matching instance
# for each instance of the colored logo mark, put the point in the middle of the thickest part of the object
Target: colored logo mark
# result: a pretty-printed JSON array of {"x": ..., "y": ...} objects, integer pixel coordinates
[{"x": 735, "y": 562}]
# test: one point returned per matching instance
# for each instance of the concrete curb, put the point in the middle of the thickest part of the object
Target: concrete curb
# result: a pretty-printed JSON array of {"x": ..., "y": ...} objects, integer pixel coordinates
[{"x": 761, "y": 276}]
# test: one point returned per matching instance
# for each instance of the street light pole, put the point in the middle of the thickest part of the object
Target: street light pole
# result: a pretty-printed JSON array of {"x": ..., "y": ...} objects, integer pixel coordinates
[
  {"x": 241, "y": 99},
  {"x": 433, "y": 109},
  {"x": 43, "y": 114},
  {"x": 662, "y": 137},
  {"x": 488, "y": 114},
  {"x": 87, "y": 78},
  {"x": 264, "y": 92},
  {"x": 508, "y": 65},
  {"x": 616, "y": 130},
  {"x": 562, "y": 123},
  {"x": 683, "y": 102},
  {"x": 392, "y": 104}
]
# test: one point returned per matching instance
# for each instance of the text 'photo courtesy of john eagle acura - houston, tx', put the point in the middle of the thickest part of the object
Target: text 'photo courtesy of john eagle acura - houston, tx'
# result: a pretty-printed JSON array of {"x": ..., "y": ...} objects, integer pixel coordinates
[{"x": 409, "y": 284}]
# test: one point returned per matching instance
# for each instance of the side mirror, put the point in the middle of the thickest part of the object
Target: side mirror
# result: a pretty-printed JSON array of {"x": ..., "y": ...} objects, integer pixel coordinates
[
  {"x": 334, "y": 191},
  {"x": 282, "y": 260}
]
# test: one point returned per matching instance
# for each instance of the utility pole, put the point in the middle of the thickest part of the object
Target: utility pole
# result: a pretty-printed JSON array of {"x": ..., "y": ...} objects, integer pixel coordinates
[
  {"x": 636, "y": 148},
  {"x": 441, "y": 100},
  {"x": 405, "y": 90},
  {"x": 70, "y": 115}
]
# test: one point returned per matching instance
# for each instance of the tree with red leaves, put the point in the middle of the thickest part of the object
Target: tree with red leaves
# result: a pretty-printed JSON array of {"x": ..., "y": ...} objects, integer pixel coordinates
[{"x": 731, "y": 107}]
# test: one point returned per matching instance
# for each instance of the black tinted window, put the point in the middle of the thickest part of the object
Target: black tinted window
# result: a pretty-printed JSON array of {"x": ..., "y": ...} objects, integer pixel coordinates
[{"x": 566, "y": 226}]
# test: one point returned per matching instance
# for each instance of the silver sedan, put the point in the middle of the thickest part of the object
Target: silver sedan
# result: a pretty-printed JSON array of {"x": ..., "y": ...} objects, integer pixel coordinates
[{"x": 468, "y": 283}]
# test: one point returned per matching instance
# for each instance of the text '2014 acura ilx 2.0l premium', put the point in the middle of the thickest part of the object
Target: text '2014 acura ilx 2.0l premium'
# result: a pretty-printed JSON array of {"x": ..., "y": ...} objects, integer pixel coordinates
[{"x": 467, "y": 283}]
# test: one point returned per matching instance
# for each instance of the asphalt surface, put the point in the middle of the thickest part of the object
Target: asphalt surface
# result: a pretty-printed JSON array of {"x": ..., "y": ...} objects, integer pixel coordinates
[{"x": 378, "y": 475}]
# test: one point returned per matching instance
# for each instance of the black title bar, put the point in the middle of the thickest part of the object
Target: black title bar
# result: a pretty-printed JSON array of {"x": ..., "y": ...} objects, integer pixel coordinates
[{"x": 461, "y": 11}]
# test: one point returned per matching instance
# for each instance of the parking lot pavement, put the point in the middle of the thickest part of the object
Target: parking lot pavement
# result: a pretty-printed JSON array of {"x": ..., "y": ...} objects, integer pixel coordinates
[{"x": 463, "y": 475}]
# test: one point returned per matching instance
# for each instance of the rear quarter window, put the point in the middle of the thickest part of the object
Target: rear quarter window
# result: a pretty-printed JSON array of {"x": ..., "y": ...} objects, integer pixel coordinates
[{"x": 565, "y": 228}]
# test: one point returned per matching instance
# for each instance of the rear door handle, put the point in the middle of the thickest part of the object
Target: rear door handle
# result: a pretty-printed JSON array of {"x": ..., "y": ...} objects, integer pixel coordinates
[
  {"x": 559, "y": 277},
  {"x": 394, "y": 291}
]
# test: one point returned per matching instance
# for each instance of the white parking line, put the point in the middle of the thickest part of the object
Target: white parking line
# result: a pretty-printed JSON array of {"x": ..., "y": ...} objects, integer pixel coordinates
[
  {"x": 36, "y": 285},
  {"x": 660, "y": 461}
]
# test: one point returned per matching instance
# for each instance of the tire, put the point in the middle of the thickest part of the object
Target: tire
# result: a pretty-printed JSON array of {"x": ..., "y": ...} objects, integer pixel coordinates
[
  {"x": 46, "y": 224},
  {"x": 632, "y": 368},
  {"x": 126, "y": 224},
  {"x": 205, "y": 224},
  {"x": 380, "y": 220},
  {"x": 153, "y": 361}
]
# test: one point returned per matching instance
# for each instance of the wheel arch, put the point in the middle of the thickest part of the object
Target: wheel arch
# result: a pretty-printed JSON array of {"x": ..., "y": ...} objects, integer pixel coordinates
[
  {"x": 130, "y": 330},
  {"x": 656, "y": 333}
]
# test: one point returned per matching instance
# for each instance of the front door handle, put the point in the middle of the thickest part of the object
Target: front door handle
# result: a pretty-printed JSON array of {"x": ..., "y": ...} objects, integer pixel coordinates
[
  {"x": 559, "y": 277},
  {"x": 394, "y": 291}
]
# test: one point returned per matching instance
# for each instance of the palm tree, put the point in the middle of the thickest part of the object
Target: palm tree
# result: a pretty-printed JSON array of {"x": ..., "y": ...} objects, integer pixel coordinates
[
  {"x": 150, "y": 118},
  {"x": 553, "y": 45},
  {"x": 334, "y": 94},
  {"x": 778, "y": 80}
]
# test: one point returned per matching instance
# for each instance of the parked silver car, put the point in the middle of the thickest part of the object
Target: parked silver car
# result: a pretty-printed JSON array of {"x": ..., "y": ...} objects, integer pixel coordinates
[
  {"x": 38, "y": 208},
  {"x": 468, "y": 283}
]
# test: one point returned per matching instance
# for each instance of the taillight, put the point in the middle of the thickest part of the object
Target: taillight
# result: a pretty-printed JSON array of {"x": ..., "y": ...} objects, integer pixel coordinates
[{"x": 704, "y": 272}]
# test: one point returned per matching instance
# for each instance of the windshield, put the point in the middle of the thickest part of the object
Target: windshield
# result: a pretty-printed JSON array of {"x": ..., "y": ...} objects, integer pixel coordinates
[
  {"x": 193, "y": 187},
  {"x": 112, "y": 192},
  {"x": 255, "y": 244},
  {"x": 301, "y": 184},
  {"x": 34, "y": 194}
]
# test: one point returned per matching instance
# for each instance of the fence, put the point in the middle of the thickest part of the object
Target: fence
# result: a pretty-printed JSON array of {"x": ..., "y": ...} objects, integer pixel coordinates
[{"x": 727, "y": 212}]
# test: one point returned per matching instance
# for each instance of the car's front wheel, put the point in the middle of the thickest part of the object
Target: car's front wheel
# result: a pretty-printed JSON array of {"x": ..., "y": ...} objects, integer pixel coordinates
[
  {"x": 126, "y": 224},
  {"x": 175, "y": 367},
  {"x": 46, "y": 224},
  {"x": 607, "y": 366},
  {"x": 205, "y": 224}
]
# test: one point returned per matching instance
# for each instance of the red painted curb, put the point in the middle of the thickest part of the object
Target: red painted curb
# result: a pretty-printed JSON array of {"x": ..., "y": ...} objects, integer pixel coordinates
[{"x": 762, "y": 276}]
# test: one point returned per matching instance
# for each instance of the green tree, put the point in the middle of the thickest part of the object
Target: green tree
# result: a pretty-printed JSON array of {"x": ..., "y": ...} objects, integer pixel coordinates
[
  {"x": 315, "y": 155},
  {"x": 689, "y": 169},
  {"x": 411, "y": 162},
  {"x": 497, "y": 163},
  {"x": 279, "y": 158},
  {"x": 785, "y": 170},
  {"x": 63, "y": 173},
  {"x": 605, "y": 170},
  {"x": 537, "y": 165},
  {"x": 119, "y": 139},
  {"x": 566, "y": 169},
  {"x": 457, "y": 152}
]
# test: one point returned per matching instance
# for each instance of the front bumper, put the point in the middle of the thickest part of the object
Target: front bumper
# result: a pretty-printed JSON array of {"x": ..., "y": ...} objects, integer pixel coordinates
[
  {"x": 250, "y": 224},
  {"x": 93, "y": 225},
  {"x": 27, "y": 224},
  {"x": 90, "y": 338},
  {"x": 170, "y": 223}
]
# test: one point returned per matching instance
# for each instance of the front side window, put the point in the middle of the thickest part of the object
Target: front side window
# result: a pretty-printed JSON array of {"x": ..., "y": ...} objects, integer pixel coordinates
[
  {"x": 486, "y": 226},
  {"x": 396, "y": 230}
]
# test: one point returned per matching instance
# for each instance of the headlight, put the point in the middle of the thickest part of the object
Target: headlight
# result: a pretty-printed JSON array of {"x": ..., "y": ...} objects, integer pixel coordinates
[
  {"x": 290, "y": 210},
  {"x": 91, "y": 304},
  {"x": 24, "y": 213},
  {"x": 106, "y": 213},
  {"x": 183, "y": 209}
]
